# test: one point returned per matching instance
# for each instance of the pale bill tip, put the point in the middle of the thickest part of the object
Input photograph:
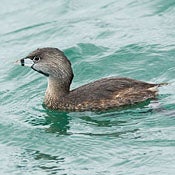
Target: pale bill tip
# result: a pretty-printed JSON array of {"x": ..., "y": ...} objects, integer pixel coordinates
[
  {"x": 25, "y": 62},
  {"x": 17, "y": 62}
]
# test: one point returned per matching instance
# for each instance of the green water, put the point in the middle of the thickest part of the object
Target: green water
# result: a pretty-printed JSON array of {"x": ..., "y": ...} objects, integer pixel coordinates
[{"x": 101, "y": 38}]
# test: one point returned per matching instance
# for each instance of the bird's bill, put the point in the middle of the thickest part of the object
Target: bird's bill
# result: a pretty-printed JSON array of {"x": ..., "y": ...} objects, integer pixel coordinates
[{"x": 25, "y": 62}]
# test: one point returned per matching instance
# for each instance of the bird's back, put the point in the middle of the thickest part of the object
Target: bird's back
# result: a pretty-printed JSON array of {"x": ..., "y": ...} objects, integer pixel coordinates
[{"x": 109, "y": 93}]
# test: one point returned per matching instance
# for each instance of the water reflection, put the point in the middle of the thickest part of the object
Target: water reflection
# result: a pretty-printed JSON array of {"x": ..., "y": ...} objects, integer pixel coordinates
[
  {"x": 111, "y": 133},
  {"x": 58, "y": 122},
  {"x": 105, "y": 122},
  {"x": 46, "y": 162},
  {"x": 100, "y": 123}
]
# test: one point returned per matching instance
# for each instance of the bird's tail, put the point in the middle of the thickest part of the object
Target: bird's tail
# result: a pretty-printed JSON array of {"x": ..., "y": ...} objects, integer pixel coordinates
[
  {"x": 155, "y": 88},
  {"x": 162, "y": 84}
]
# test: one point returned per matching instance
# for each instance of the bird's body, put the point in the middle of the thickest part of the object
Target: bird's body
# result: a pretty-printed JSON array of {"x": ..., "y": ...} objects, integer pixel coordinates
[{"x": 103, "y": 94}]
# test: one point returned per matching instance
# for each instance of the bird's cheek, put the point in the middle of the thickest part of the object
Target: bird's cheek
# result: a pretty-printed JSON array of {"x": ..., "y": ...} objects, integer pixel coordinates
[{"x": 40, "y": 67}]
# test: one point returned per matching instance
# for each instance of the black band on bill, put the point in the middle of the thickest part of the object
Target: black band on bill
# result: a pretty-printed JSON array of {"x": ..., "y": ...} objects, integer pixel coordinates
[{"x": 22, "y": 62}]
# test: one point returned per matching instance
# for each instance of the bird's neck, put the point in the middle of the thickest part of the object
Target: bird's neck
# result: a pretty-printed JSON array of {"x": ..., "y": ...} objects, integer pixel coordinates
[{"x": 55, "y": 91}]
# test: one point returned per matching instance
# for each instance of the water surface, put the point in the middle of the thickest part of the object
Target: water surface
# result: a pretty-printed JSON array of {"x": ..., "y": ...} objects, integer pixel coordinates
[{"x": 101, "y": 38}]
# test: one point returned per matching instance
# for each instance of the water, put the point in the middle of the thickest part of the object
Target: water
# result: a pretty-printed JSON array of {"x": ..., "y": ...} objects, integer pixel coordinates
[{"x": 101, "y": 38}]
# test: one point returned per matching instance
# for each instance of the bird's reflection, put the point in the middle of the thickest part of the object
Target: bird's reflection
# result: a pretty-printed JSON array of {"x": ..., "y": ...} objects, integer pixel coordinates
[{"x": 58, "y": 122}]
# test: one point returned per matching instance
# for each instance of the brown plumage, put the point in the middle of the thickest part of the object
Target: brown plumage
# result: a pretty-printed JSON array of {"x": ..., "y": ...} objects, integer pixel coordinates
[{"x": 103, "y": 94}]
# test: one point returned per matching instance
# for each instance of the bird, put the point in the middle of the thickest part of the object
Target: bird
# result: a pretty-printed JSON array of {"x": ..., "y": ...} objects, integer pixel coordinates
[{"x": 103, "y": 94}]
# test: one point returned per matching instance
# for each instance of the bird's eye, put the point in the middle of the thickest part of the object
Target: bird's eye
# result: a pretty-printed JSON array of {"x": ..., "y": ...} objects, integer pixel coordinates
[{"x": 36, "y": 58}]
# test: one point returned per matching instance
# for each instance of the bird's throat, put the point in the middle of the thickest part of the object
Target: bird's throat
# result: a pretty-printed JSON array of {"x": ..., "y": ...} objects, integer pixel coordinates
[{"x": 55, "y": 92}]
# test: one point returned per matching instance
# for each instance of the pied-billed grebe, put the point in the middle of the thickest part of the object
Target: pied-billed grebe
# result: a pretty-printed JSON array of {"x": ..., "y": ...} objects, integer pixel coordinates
[{"x": 102, "y": 94}]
